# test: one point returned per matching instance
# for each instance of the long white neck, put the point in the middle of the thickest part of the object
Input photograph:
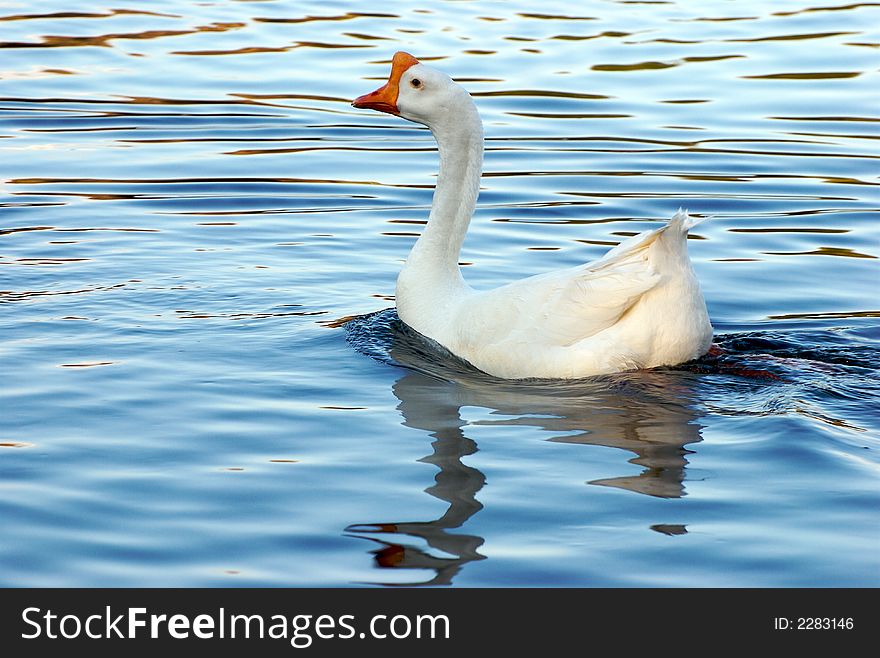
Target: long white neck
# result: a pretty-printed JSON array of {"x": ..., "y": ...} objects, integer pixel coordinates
[{"x": 459, "y": 138}]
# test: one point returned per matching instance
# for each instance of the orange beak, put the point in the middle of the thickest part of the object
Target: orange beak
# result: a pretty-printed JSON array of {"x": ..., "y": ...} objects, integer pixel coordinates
[{"x": 384, "y": 98}]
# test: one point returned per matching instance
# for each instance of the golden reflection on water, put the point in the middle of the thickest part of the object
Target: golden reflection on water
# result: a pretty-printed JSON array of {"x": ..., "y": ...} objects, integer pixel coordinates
[
  {"x": 823, "y": 75},
  {"x": 823, "y": 251},
  {"x": 82, "y": 14},
  {"x": 105, "y": 40}
]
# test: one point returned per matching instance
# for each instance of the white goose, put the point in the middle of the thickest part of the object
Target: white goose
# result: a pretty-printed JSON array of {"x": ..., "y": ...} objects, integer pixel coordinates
[{"x": 639, "y": 306}]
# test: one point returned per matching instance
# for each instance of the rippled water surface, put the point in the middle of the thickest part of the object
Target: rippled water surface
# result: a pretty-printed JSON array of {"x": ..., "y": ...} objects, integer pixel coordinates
[{"x": 190, "y": 209}]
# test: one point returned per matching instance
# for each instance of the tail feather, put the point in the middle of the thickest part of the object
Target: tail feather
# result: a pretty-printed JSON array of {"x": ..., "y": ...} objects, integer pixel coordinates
[
  {"x": 684, "y": 222},
  {"x": 634, "y": 249}
]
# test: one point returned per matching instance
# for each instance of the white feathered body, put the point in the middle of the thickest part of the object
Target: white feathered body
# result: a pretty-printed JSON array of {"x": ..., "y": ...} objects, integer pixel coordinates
[{"x": 639, "y": 306}]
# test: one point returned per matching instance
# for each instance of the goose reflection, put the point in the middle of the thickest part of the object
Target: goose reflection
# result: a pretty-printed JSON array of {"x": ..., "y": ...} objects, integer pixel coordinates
[
  {"x": 650, "y": 414},
  {"x": 426, "y": 404}
]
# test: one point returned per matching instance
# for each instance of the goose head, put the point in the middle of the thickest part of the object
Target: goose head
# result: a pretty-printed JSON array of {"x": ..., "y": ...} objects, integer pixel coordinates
[{"x": 417, "y": 92}]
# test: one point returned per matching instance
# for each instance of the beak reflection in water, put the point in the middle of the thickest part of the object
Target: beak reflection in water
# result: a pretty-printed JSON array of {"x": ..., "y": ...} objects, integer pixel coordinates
[{"x": 648, "y": 413}]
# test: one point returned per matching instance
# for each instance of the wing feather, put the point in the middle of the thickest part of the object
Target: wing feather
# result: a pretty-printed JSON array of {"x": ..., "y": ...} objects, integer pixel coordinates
[
  {"x": 565, "y": 306},
  {"x": 593, "y": 297}
]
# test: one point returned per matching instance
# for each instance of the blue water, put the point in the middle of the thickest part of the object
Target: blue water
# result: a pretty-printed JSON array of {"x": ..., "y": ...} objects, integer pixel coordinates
[{"x": 191, "y": 212}]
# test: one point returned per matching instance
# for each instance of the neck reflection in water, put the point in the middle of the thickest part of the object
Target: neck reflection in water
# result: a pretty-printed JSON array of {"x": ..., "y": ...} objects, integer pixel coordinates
[
  {"x": 647, "y": 413},
  {"x": 426, "y": 404}
]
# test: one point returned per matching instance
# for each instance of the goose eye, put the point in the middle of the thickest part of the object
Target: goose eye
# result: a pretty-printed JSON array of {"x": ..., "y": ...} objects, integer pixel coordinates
[{"x": 415, "y": 82}]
